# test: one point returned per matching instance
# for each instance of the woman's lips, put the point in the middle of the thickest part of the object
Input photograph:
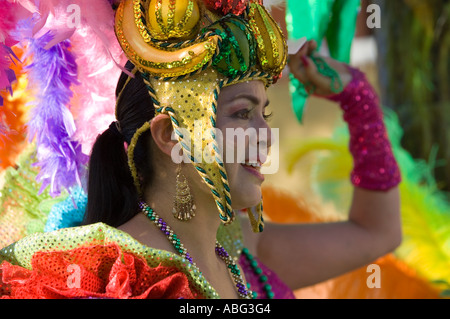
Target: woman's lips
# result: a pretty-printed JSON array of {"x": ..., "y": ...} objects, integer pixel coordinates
[{"x": 254, "y": 170}]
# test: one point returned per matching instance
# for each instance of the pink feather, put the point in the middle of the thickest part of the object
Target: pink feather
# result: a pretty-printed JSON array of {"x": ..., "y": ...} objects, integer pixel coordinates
[
  {"x": 7, "y": 75},
  {"x": 26, "y": 4},
  {"x": 11, "y": 13},
  {"x": 93, "y": 104},
  {"x": 60, "y": 16},
  {"x": 98, "y": 56}
]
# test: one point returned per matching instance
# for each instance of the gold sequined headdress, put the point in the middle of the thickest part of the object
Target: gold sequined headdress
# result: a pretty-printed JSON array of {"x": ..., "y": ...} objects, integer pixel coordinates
[{"x": 186, "y": 51}]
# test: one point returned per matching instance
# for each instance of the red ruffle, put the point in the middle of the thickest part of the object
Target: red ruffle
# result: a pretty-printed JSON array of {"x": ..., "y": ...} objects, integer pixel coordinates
[{"x": 92, "y": 272}]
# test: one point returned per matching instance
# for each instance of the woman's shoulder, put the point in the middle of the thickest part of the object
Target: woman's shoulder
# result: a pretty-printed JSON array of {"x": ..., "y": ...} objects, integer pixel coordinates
[{"x": 100, "y": 253}]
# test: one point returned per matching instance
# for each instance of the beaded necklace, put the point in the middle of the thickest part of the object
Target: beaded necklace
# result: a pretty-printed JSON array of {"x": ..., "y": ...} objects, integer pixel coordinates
[
  {"x": 242, "y": 290},
  {"x": 262, "y": 278}
]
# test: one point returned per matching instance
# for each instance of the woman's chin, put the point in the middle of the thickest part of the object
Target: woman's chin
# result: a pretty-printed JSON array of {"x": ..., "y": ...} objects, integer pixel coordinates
[{"x": 246, "y": 198}]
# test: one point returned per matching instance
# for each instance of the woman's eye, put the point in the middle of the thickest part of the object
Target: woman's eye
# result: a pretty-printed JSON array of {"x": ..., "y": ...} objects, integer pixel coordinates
[
  {"x": 267, "y": 116},
  {"x": 243, "y": 114}
]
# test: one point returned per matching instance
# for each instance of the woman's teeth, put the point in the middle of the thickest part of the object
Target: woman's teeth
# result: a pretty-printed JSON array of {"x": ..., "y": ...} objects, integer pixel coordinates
[{"x": 256, "y": 165}]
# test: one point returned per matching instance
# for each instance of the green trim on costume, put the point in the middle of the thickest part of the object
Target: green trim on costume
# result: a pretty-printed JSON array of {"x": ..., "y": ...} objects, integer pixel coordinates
[{"x": 21, "y": 252}]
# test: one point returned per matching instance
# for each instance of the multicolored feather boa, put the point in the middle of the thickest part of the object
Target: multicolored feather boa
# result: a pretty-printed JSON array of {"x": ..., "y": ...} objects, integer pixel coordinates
[
  {"x": 52, "y": 74},
  {"x": 72, "y": 71}
]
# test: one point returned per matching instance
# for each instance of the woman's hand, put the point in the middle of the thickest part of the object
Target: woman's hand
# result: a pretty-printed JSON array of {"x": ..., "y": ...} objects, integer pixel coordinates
[
  {"x": 306, "y": 254},
  {"x": 303, "y": 68}
]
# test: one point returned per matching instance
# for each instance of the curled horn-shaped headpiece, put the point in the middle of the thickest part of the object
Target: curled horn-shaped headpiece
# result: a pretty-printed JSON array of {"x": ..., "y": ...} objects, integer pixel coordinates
[{"x": 186, "y": 51}]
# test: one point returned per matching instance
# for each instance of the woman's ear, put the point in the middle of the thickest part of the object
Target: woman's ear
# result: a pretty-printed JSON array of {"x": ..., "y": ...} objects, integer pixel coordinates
[{"x": 161, "y": 129}]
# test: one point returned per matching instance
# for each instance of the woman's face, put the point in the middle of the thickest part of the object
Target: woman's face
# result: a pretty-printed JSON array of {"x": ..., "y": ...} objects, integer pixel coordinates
[{"x": 241, "y": 118}]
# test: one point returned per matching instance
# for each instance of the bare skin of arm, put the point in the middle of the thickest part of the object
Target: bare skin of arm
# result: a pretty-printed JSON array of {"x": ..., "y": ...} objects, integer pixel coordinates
[{"x": 306, "y": 254}]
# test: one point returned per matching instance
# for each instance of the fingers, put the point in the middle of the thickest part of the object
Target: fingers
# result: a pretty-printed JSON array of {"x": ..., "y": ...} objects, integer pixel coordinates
[
  {"x": 320, "y": 82},
  {"x": 297, "y": 62},
  {"x": 304, "y": 69},
  {"x": 312, "y": 46},
  {"x": 296, "y": 68},
  {"x": 307, "y": 48}
]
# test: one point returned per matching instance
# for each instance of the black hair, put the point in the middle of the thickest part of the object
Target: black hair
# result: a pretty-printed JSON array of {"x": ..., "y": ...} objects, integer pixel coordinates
[{"x": 112, "y": 196}]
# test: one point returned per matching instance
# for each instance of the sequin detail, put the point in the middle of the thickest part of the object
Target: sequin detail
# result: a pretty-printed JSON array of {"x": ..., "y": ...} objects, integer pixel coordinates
[
  {"x": 21, "y": 253},
  {"x": 374, "y": 166},
  {"x": 264, "y": 280},
  {"x": 158, "y": 60},
  {"x": 181, "y": 20},
  {"x": 179, "y": 247},
  {"x": 184, "y": 77},
  {"x": 236, "y": 7},
  {"x": 231, "y": 238},
  {"x": 97, "y": 271}
]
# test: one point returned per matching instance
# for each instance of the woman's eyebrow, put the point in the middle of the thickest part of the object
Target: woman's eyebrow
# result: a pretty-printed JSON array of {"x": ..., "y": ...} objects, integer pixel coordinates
[{"x": 255, "y": 100}]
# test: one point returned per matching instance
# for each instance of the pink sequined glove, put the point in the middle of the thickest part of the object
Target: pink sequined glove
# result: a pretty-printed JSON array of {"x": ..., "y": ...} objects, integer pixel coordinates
[{"x": 374, "y": 167}]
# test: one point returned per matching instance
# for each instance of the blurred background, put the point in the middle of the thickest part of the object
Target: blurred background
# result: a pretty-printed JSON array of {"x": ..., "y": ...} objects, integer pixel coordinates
[{"x": 407, "y": 60}]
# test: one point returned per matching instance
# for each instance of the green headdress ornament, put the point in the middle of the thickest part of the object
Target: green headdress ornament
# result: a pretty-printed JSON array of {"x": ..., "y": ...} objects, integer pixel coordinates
[{"x": 187, "y": 51}]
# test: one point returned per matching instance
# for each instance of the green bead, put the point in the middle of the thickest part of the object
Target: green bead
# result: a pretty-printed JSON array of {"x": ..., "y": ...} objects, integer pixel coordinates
[
  {"x": 254, "y": 263},
  {"x": 270, "y": 294},
  {"x": 258, "y": 271},
  {"x": 267, "y": 287},
  {"x": 263, "y": 278}
]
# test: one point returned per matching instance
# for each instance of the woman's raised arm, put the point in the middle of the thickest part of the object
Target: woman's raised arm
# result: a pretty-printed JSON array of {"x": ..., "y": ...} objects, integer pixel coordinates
[{"x": 303, "y": 255}]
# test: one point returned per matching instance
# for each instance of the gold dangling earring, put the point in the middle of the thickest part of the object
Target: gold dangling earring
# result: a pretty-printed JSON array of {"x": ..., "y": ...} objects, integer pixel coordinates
[{"x": 183, "y": 203}]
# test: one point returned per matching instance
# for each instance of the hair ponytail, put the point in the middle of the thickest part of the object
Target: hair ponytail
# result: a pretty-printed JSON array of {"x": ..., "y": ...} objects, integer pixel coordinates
[{"x": 112, "y": 195}]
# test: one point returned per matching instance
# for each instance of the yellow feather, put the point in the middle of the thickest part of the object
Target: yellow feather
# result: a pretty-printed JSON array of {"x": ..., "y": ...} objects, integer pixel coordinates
[{"x": 425, "y": 213}]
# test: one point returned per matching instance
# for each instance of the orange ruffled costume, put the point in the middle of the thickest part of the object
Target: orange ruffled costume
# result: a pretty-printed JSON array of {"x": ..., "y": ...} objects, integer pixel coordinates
[
  {"x": 96, "y": 261},
  {"x": 92, "y": 272}
]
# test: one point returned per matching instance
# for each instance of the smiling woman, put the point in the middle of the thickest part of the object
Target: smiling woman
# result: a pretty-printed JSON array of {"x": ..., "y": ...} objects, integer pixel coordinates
[
  {"x": 158, "y": 228},
  {"x": 241, "y": 109}
]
